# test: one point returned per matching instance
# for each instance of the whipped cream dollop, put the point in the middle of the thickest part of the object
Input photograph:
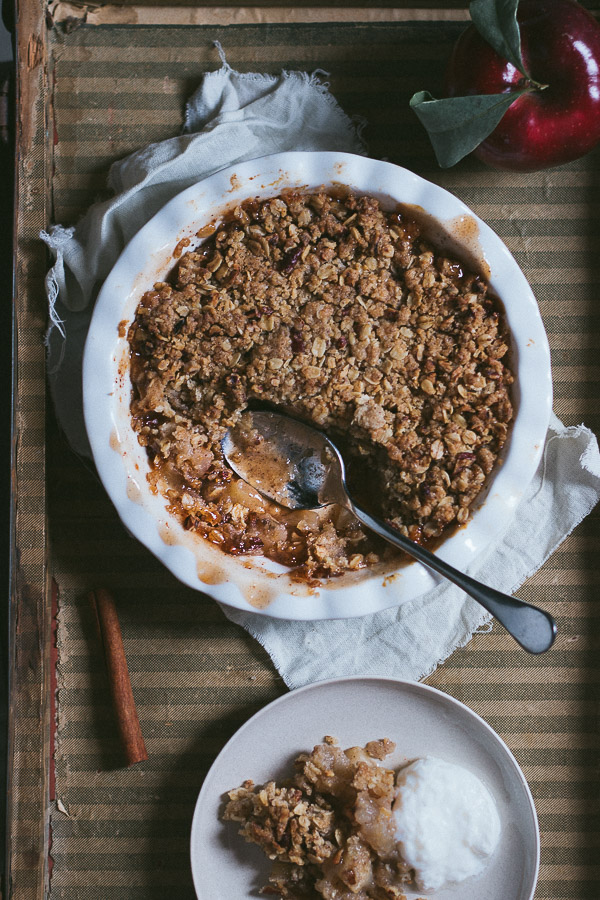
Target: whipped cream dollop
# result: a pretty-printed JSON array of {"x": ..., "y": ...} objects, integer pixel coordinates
[{"x": 446, "y": 822}]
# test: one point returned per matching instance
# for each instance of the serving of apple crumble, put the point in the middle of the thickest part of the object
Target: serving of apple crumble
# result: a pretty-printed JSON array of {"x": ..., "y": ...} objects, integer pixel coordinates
[
  {"x": 330, "y": 829},
  {"x": 334, "y": 310}
]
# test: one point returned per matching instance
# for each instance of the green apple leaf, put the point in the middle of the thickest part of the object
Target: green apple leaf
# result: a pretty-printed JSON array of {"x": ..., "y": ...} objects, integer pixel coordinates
[
  {"x": 458, "y": 125},
  {"x": 496, "y": 22}
]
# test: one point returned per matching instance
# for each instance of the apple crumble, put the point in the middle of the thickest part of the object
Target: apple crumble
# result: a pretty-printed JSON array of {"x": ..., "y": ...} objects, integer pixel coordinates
[
  {"x": 330, "y": 829},
  {"x": 343, "y": 314}
]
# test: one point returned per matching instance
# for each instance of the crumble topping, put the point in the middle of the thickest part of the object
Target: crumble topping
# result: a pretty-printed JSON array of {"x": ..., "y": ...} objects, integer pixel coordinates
[
  {"x": 330, "y": 829},
  {"x": 340, "y": 313}
]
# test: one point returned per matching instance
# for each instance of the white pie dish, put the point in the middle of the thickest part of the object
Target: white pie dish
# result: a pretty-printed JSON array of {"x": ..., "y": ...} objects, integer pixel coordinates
[
  {"x": 421, "y": 720},
  {"x": 254, "y": 583}
]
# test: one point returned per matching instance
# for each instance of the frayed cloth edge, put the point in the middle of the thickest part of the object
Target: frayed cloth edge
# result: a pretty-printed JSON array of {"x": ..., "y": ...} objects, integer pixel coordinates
[{"x": 354, "y": 126}]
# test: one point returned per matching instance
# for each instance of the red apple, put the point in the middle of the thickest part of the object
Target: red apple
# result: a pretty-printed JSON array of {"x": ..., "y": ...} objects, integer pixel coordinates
[{"x": 559, "y": 119}]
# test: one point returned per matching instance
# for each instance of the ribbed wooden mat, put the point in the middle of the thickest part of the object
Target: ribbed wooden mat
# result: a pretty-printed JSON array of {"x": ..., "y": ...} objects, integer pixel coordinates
[{"x": 124, "y": 833}]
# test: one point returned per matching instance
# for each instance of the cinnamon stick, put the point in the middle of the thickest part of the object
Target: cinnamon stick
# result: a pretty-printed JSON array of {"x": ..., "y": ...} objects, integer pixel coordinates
[{"x": 128, "y": 722}]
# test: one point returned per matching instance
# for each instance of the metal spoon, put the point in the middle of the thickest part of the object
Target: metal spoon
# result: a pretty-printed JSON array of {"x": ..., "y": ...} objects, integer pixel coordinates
[{"x": 299, "y": 467}]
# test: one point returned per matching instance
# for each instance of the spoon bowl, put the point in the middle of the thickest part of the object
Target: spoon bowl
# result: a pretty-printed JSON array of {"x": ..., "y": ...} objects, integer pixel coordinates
[{"x": 286, "y": 460}]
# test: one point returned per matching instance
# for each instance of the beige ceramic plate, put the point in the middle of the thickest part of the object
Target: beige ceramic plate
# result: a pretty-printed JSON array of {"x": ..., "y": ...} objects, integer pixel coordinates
[{"x": 421, "y": 720}]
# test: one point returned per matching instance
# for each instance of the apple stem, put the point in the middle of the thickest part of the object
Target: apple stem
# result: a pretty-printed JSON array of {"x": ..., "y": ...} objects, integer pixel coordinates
[{"x": 530, "y": 84}]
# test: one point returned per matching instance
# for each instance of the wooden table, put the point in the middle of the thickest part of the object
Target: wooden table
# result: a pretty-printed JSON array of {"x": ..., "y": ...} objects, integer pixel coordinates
[{"x": 93, "y": 86}]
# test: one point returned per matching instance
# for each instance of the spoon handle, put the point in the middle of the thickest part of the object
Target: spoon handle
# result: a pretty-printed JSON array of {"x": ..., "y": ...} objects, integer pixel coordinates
[{"x": 533, "y": 628}]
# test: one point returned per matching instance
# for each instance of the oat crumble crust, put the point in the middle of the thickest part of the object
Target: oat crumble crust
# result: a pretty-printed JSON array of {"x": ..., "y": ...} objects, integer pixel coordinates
[
  {"x": 329, "y": 830},
  {"x": 341, "y": 313}
]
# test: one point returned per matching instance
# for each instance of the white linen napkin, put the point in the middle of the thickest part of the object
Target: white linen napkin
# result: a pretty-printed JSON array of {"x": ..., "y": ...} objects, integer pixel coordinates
[{"x": 234, "y": 117}]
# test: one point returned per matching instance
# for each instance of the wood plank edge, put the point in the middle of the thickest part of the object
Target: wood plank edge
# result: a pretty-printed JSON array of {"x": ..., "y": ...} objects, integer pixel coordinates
[
  {"x": 72, "y": 14},
  {"x": 30, "y": 610}
]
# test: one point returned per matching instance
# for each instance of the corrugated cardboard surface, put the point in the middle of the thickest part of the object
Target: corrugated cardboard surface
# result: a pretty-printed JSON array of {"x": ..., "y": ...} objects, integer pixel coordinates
[{"x": 119, "y": 833}]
